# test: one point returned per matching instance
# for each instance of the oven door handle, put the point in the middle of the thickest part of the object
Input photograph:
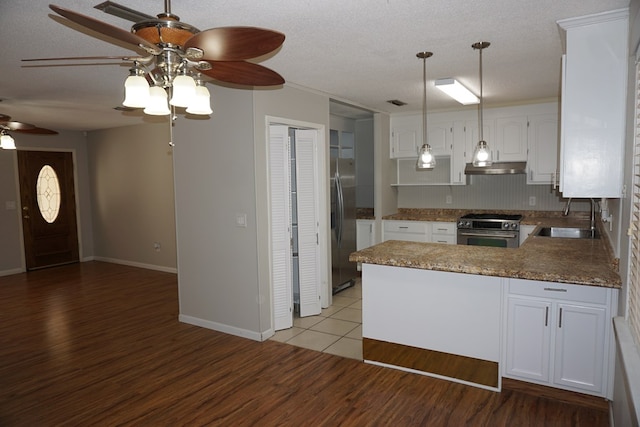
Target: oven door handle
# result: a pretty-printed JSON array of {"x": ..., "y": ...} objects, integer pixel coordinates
[{"x": 495, "y": 236}]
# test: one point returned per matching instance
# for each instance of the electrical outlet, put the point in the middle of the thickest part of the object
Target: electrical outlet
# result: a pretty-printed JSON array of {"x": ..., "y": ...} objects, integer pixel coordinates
[
  {"x": 156, "y": 246},
  {"x": 449, "y": 200},
  {"x": 532, "y": 200}
]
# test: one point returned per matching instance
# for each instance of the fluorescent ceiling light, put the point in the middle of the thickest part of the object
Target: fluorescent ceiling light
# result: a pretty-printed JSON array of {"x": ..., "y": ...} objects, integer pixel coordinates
[{"x": 454, "y": 89}]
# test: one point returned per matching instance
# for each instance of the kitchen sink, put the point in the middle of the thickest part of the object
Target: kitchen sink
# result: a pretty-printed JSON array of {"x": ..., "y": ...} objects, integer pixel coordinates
[{"x": 568, "y": 233}]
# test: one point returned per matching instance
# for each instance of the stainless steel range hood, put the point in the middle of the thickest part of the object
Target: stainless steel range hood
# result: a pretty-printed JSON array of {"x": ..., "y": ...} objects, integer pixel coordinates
[{"x": 497, "y": 168}]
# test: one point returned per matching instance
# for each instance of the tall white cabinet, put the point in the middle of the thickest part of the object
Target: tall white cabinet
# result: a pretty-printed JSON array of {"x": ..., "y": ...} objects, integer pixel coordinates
[{"x": 594, "y": 87}]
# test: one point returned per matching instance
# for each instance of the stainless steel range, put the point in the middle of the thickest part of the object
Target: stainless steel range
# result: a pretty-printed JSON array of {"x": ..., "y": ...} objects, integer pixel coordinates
[{"x": 487, "y": 229}]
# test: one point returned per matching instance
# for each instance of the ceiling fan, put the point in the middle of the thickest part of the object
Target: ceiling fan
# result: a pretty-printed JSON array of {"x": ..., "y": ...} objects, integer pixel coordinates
[
  {"x": 8, "y": 125},
  {"x": 172, "y": 49}
]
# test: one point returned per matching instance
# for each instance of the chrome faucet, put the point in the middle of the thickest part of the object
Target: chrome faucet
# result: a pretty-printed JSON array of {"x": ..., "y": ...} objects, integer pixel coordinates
[{"x": 565, "y": 211}]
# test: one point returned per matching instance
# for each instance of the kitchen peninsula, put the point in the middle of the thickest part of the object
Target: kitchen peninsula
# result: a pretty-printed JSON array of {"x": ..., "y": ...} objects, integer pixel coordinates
[{"x": 540, "y": 313}]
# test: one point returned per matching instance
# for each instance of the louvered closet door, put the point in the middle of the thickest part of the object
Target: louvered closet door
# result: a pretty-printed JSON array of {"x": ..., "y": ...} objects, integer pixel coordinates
[
  {"x": 308, "y": 239},
  {"x": 280, "y": 227}
]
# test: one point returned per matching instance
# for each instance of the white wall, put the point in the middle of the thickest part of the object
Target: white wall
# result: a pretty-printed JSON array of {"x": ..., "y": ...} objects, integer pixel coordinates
[
  {"x": 11, "y": 248},
  {"x": 132, "y": 195}
]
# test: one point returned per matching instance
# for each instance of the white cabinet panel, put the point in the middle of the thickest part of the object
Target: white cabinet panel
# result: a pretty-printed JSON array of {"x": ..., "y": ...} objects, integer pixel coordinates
[
  {"x": 406, "y": 136},
  {"x": 511, "y": 139},
  {"x": 580, "y": 347},
  {"x": 542, "y": 159},
  {"x": 365, "y": 234},
  {"x": 528, "y": 339},
  {"x": 411, "y": 231},
  {"x": 594, "y": 88}
]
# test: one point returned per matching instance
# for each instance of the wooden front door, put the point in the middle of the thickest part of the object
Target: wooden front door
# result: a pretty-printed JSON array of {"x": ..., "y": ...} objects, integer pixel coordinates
[{"x": 48, "y": 208}]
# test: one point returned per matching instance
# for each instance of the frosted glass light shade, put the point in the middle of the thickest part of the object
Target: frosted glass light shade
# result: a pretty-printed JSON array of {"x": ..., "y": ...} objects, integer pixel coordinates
[
  {"x": 157, "y": 105},
  {"x": 7, "y": 142},
  {"x": 136, "y": 92},
  {"x": 201, "y": 104},
  {"x": 457, "y": 91},
  {"x": 426, "y": 159},
  {"x": 482, "y": 155},
  {"x": 184, "y": 91}
]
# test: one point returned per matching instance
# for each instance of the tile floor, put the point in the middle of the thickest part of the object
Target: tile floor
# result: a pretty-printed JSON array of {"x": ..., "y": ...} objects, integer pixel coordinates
[{"x": 336, "y": 330}]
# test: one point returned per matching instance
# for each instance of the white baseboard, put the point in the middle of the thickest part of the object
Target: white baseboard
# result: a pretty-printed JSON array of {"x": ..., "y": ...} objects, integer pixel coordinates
[
  {"x": 231, "y": 330},
  {"x": 11, "y": 271},
  {"x": 138, "y": 264}
]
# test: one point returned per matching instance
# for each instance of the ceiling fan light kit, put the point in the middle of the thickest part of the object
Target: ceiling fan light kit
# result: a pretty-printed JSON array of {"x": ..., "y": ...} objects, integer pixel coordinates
[
  {"x": 177, "y": 55},
  {"x": 7, "y": 142},
  {"x": 457, "y": 91}
]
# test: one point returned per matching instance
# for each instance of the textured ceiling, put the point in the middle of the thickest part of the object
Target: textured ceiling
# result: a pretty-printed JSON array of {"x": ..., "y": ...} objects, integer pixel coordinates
[{"x": 358, "y": 51}]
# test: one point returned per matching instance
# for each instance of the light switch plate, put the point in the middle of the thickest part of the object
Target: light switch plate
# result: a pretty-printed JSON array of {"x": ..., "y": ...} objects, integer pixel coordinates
[{"x": 241, "y": 220}]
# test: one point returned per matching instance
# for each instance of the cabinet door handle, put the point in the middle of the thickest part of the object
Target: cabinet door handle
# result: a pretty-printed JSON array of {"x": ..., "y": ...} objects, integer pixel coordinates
[
  {"x": 546, "y": 316},
  {"x": 560, "y": 319}
]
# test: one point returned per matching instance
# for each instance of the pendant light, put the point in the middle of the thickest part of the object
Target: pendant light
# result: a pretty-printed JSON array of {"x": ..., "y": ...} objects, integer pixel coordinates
[
  {"x": 426, "y": 159},
  {"x": 481, "y": 154}
]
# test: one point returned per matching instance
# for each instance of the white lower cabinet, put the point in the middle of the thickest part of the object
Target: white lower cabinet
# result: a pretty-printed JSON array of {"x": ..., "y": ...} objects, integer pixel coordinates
[
  {"x": 365, "y": 233},
  {"x": 559, "y": 335},
  {"x": 419, "y": 231}
]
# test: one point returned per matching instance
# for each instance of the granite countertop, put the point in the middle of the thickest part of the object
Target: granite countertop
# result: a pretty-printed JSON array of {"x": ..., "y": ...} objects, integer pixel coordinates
[{"x": 578, "y": 261}]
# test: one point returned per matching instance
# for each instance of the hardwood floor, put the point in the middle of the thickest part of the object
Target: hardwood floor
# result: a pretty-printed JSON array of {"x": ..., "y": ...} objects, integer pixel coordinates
[{"x": 100, "y": 344}]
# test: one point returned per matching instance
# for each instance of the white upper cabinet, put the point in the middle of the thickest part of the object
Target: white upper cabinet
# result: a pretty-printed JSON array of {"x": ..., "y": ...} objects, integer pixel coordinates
[
  {"x": 510, "y": 144},
  {"x": 594, "y": 87},
  {"x": 542, "y": 160},
  {"x": 406, "y": 136}
]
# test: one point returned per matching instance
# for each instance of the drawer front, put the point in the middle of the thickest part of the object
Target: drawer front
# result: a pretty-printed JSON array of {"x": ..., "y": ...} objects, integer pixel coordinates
[
  {"x": 562, "y": 291},
  {"x": 443, "y": 238},
  {"x": 408, "y": 237},
  {"x": 444, "y": 228},
  {"x": 405, "y": 226}
]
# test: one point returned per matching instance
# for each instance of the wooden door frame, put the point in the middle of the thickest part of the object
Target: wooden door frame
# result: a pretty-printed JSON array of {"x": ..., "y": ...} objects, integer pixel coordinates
[{"x": 74, "y": 157}]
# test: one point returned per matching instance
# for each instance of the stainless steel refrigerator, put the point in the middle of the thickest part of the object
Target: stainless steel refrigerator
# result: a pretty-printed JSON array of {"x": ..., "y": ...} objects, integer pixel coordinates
[{"x": 343, "y": 223}]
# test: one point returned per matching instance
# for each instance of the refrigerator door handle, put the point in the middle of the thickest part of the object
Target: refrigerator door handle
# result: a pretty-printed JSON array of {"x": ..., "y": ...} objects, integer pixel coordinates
[{"x": 340, "y": 207}]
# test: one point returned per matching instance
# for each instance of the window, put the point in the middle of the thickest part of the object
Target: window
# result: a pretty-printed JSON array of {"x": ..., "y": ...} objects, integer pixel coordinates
[
  {"x": 48, "y": 193},
  {"x": 634, "y": 269}
]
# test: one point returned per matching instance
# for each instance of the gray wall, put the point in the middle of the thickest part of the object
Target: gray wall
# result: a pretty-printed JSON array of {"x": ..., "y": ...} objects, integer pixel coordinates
[
  {"x": 220, "y": 169},
  {"x": 11, "y": 249},
  {"x": 132, "y": 195}
]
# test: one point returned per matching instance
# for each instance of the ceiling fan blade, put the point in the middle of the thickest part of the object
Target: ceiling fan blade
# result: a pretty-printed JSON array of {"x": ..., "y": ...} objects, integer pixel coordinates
[
  {"x": 235, "y": 43},
  {"x": 243, "y": 73},
  {"x": 17, "y": 126},
  {"x": 88, "y": 58},
  {"x": 37, "y": 131},
  {"x": 106, "y": 29}
]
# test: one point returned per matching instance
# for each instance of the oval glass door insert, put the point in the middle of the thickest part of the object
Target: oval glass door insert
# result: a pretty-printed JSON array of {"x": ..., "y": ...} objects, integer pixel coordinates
[{"x": 48, "y": 191}]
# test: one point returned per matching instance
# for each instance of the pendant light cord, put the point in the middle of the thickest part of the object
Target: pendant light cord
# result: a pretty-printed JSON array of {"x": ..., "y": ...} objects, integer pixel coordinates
[
  {"x": 480, "y": 122},
  {"x": 424, "y": 100}
]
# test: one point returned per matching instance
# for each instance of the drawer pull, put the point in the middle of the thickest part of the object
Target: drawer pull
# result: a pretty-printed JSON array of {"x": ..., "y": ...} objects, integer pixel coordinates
[
  {"x": 555, "y": 289},
  {"x": 403, "y": 226}
]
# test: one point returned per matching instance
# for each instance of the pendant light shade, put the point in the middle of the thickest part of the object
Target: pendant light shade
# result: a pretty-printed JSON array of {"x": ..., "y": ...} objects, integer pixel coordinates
[
  {"x": 482, "y": 154},
  {"x": 7, "y": 142},
  {"x": 157, "y": 105},
  {"x": 426, "y": 159},
  {"x": 201, "y": 104},
  {"x": 184, "y": 91}
]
